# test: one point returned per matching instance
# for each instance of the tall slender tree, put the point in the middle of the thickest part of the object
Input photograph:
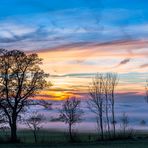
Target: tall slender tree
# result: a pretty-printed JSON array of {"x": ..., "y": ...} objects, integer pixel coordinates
[
  {"x": 106, "y": 88},
  {"x": 95, "y": 102},
  {"x": 113, "y": 84}
]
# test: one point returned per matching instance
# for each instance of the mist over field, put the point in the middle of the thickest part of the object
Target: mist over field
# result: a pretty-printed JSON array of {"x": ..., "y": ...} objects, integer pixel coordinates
[{"x": 135, "y": 108}]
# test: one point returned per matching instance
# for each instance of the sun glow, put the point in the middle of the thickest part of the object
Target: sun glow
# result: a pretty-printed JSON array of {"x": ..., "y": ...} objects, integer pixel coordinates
[{"x": 60, "y": 95}]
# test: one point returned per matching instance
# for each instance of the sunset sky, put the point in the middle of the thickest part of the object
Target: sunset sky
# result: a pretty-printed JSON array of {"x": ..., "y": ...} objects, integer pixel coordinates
[{"x": 78, "y": 38}]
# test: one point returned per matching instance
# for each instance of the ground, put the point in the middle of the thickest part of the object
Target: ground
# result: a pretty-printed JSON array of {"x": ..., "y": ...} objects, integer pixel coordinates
[
  {"x": 117, "y": 144},
  {"x": 55, "y": 139}
]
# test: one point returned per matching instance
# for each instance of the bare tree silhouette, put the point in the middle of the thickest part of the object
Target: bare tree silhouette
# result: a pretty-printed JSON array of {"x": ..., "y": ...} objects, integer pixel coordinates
[
  {"x": 113, "y": 84},
  {"x": 95, "y": 103},
  {"x": 106, "y": 87},
  {"x": 34, "y": 123},
  {"x": 101, "y": 102},
  {"x": 124, "y": 122},
  {"x": 71, "y": 114}
]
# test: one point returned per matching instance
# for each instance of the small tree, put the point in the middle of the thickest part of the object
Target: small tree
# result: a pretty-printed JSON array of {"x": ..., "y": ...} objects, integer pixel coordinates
[
  {"x": 143, "y": 122},
  {"x": 71, "y": 113},
  {"x": 124, "y": 122},
  {"x": 34, "y": 123}
]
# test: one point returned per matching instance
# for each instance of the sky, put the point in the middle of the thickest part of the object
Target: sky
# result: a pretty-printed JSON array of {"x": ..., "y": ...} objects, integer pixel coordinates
[{"x": 78, "y": 38}]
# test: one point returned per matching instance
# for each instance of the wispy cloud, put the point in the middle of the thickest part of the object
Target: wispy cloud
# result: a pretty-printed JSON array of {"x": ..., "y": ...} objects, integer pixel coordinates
[
  {"x": 125, "y": 61},
  {"x": 143, "y": 65},
  {"x": 69, "y": 26}
]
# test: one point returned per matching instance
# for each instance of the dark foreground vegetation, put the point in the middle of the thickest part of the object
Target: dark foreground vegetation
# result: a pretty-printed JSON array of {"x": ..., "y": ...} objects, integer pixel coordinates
[{"x": 61, "y": 139}]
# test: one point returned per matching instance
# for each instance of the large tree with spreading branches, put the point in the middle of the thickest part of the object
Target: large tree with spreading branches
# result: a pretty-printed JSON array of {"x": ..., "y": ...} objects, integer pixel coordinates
[{"x": 21, "y": 78}]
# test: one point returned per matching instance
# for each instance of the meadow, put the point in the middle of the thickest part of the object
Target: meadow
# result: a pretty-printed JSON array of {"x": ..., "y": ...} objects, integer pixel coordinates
[{"x": 55, "y": 139}]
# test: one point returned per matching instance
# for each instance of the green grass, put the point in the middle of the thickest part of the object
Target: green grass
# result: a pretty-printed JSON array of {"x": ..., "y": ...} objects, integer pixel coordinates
[
  {"x": 54, "y": 139},
  {"x": 45, "y": 136},
  {"x": 117, "y": 144}
]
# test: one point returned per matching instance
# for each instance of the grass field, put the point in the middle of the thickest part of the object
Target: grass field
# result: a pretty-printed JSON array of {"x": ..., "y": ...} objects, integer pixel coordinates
[
  {"x": 52, "y": 139},
  {"x": 117, "y": 144}
]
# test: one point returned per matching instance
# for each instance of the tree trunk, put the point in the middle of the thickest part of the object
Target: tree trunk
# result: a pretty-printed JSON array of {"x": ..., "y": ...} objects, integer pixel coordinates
[
  {"x": 107, "y": 117},
  {"x": 70, "y": 132},
  {"x": 101, "y": 122},
  {"x": 113, "y": 117},
  {"x": 13, "y": 132},
  {"x": 101, "y": 126},
  {"x": 35, "y": 136},
  {"x": 114, "y": 124},
  {"x": 14, "y": 128}
]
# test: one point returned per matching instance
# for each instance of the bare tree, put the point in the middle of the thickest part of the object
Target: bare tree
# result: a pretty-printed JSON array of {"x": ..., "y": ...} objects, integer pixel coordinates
[
  {"x": 34, "y": 123},
  {"x": 102, "y": 100},
  {"x": 106, "y": 88},
  {"x": 124, "y": 122},
  {"x": 71, "y": 113},
  {"x": 113, "y": 83},
  {"x": 95, "y": 102},
  {"x": 21, "y": 78}
]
